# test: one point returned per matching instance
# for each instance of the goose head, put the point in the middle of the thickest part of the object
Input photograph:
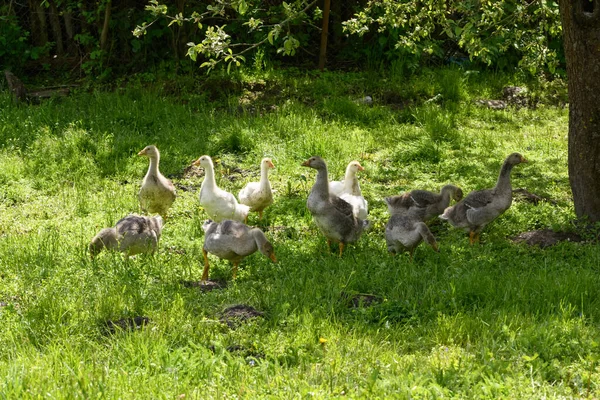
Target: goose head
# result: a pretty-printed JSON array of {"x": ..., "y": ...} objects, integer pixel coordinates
[
  {"x": 354, "y": 167},
  {"x": 267, "y": 249},
  {"x": 204, "y": 162},
  {"x": 315, "y": 162},
  {"x": 267, "y": 163},
  {"x": 149, "y": 151},
  {"x": 516, "y": 158},
  {"x": 455, "y": 192}
]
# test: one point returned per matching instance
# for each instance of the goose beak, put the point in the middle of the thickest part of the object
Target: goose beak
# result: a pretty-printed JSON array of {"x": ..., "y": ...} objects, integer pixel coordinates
[
  {"x": 361, "y": 168},
  {"x": 271, "y": 165},
  {"x": 196, "y": 163},
  {"x": 142, "y": 152},
  {"x": 523, "y": 159},
  {"x": 306, "y": 163},
  {"x": 273, "y": 258}
]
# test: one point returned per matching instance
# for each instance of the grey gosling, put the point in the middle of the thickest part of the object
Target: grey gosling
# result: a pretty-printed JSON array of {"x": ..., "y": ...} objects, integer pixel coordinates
[
  {"x": 233, "y": 241},
  {"x": 133, "y": 234},
  {"x": 433, "y": 203},
  {"x": 405, "y": 229},
  {"x": 481, "y": 207}
]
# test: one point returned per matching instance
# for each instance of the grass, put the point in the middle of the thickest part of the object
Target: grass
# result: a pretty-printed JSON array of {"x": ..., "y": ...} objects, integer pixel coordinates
[{"x": 494, "y": 320}]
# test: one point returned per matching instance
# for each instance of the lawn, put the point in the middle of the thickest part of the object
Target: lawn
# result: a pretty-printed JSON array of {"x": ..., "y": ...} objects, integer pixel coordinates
[{"x": 494, "y": 320}]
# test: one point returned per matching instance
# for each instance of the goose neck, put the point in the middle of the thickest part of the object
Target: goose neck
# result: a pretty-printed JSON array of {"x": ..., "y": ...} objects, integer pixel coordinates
[
  {"x": 264, "y": 175},
  {"x": 153, "y": 168},
  {"x": 209, "y": 175},
  {"x": 503, "y": 182}
]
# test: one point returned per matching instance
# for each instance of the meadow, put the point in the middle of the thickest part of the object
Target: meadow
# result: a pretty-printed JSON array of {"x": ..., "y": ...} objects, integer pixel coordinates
[{"x": 494, "y": 320}]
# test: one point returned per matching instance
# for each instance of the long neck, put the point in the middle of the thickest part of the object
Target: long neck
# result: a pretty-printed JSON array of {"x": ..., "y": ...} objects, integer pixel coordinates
[
  {"x": 259, "y": 237},
  {"x": 209, "y": 175},
  {"x": 503, "y": 182},
  {"x": 351, "y": 182},
  {"x": 264, "y": 175},
  {"x": 153, "y": 168},
  {"x": 445, "y": 195},
  {"x": 322, "y": 184}
]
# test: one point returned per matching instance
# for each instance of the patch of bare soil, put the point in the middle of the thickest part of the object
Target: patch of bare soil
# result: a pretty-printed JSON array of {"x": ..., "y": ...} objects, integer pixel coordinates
[
  {"x": 234, "y": 173},
  {"x": 192, "y": 171},
  {"x": 532, "y": 197},
  {"x": 250, "y": 354},
  {"x": 235, "y": 315},
  {"x": 205, "y": 286},
  {"x": 511, "y": 95},
  {"x": 356, "y": 300},
  {"x": 125, "y": 324},
  {"x": 12, "y": 301},
  {"x": 546, "y": 238}
]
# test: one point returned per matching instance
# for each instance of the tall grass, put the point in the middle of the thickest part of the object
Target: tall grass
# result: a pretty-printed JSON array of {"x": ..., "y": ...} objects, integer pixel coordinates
[{"x": 493, "y": 320}]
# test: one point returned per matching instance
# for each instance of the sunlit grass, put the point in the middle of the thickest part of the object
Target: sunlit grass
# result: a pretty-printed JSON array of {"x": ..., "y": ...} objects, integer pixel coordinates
[{"x": 493, "y": 320}]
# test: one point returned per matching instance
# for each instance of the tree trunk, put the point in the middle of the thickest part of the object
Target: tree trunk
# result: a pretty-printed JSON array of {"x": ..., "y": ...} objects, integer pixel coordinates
[
  {"x": 39, "y": 22},
  {"x": 56, "y": 29},
  {"x": 324, "y": 32},
  {"x": 68, "y": 17},
  {"x": 581, "y": 37},
  {"x": 104, "y": 34}
]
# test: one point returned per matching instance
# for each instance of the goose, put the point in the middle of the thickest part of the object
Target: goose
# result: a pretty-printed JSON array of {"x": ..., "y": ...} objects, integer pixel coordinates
[
  {"x": 157, "y": 193},
  {"x": 405, "y": 229},
  {"x": 219, "y": 204},
  {"x": 133, "y": 234},
  {"x": 334, "y": 216},
  {"x": 481, "y": 207},
  {"x": 349, "y": 190},
  {"x": 258, "y": 195},
  {"x": 350, "y": 183},
  {"x": 233, "y": 240},
  {"x": 433, "y": 203}
]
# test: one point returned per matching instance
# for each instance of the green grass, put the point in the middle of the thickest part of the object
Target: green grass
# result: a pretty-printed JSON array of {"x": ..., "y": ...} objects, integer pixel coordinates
[{"x": 497, "y": 320}]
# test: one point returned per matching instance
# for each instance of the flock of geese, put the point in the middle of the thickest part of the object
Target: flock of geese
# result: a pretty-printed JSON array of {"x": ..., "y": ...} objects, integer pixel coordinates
[{"x": 338, "y": 209}]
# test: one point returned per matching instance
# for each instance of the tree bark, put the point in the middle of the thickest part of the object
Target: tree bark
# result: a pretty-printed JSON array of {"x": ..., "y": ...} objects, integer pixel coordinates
[
  {"x": 39, "y": 22},
  {"x": 324, "y": 32},
  {"x": 581, "y": 39},
  {"x": 104, "y": 34},
  {"x": 56, "y": 29},
  {"x": 68, "y": 17}
]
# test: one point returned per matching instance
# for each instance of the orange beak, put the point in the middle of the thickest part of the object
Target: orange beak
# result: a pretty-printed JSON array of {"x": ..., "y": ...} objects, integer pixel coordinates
[
  {"x": 271, "y": 165},
  {"x": 360, "y": 167},
  {"x": 142, "y": 152},
  {"x": 306, "y": 163},
  {"x": 273, "y": 258},
  {"x": 523, "y": 159},
  {"x": 196, "y": 163}
]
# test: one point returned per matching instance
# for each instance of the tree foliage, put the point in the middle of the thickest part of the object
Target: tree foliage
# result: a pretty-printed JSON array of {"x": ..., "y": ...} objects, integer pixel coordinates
[
  {"x": 496, "y": 33},
  {"x": 95, "y": 36}
]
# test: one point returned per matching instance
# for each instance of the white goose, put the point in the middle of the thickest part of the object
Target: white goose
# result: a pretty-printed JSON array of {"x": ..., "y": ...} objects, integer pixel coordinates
[
  {"x": 219, "y": 204},
  {"x": 349, "y": 190},
  {"x": 258, "y": 195}
]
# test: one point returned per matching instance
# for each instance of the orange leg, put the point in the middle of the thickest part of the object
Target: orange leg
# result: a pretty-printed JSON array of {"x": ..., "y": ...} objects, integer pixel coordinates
[
  {"x": 341, "y": 248},
  {"x": 472, "y": 237},
  {"x": 235, "y": 268},
  {"x": 206, "y": 266}
]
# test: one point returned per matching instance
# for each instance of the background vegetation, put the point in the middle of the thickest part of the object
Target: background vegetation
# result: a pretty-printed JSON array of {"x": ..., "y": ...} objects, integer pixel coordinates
[
  {"x": 94, "y": 38},
  {"x": 493, "y": 320}
]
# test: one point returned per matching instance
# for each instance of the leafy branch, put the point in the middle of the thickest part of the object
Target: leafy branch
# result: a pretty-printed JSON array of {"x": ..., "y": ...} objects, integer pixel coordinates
[{"x": 217, "y": 46}]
